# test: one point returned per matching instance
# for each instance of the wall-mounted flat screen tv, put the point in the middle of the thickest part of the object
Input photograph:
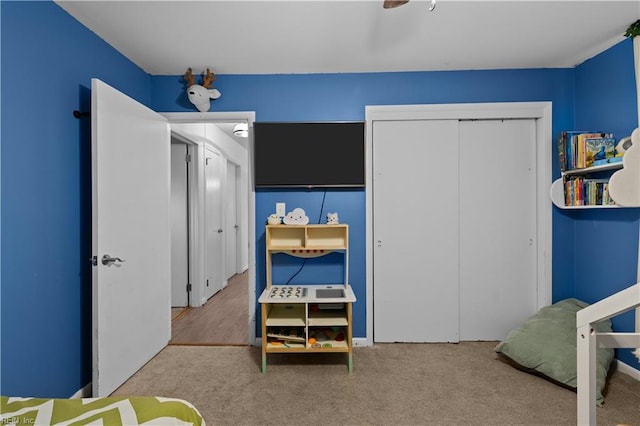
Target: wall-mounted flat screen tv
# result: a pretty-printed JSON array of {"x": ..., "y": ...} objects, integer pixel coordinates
[{"x": 316, "y": 154}]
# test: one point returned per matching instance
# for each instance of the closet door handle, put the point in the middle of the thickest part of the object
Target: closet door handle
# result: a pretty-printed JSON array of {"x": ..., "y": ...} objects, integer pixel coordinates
[{"x": 108, "y": 260}]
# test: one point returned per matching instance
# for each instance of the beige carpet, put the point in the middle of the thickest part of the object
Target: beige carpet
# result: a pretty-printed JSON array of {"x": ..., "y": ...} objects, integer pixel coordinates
[{"x": 392, "y": 384}]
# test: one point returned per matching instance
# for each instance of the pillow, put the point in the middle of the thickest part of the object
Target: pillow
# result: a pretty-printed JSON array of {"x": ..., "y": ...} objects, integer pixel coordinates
[{"x": 546, "y": 345}]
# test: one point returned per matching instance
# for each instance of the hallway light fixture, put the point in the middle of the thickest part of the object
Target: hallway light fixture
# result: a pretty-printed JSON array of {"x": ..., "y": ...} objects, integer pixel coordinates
[{"x": 241, "y": 130}]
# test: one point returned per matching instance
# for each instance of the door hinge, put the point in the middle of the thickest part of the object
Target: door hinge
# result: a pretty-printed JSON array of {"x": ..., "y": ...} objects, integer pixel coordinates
[
  {"x": 189, "y": 287},
  {"x": 187, "y": 158},
  {"x": 94, "y": 260},
  {"x": 207, "y": 283}
]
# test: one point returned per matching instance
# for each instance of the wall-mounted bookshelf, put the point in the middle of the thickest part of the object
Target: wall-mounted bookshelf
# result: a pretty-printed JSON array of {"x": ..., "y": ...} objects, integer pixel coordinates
[{"x": 585, "y": 158}]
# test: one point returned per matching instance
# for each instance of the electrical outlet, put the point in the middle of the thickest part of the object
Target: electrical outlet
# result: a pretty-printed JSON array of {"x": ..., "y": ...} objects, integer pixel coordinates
[{"x": 280, "y": 209}]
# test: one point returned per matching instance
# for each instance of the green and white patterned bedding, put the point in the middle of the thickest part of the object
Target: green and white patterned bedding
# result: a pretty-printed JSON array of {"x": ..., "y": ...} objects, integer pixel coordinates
[{"x": 98, "y": 411}]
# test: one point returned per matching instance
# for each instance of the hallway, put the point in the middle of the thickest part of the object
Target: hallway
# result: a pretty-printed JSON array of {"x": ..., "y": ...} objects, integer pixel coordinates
[{"x": 221, "y": 321}]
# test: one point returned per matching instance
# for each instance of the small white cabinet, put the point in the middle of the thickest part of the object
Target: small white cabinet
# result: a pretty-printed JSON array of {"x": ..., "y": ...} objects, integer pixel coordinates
[{"x": 306, "y": 318}]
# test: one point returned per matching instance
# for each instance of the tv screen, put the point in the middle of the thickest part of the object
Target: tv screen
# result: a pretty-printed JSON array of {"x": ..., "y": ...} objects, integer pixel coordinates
[{"x": 322, "y": 154}]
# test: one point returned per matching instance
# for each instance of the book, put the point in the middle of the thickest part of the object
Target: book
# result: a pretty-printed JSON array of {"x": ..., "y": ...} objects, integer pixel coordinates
[
  {"x": 562, "y": 151},
  {"x": 567, "y": 148},
  {"x": 581, "y": 191},
  {"x": 600, "y": 150},
  {"x": 607, "y": 161},
  {"x": 581, "y": 148}
]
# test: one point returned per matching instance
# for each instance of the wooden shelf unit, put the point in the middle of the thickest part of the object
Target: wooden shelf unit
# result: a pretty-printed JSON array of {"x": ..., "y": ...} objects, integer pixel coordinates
[
  {"x": 309, "y": 322},
  {"x": 306, "y": 237}
]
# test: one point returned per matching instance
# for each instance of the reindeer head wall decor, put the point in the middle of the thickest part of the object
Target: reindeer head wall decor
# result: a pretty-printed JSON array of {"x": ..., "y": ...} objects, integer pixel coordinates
[{"x": 201, "y": 94}]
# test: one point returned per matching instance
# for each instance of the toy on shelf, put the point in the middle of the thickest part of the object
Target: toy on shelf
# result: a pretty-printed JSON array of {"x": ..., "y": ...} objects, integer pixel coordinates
[
  {"x": 273, "y": 219},
  {"x": 332, "y": 218},
  {"x": 296, "y": 217}
]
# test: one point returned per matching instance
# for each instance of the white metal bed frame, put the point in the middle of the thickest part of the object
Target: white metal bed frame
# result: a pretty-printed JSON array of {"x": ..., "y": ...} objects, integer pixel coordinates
[{"x": 588, "y": 341}]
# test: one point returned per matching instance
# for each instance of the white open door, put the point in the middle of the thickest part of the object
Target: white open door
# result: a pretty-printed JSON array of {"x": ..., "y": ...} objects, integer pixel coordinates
[{"x": 131, "y": 225}]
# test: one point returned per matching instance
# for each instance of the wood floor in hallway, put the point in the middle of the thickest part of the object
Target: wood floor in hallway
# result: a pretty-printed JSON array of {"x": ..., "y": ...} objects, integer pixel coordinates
[{"x": 221, "y": 321}]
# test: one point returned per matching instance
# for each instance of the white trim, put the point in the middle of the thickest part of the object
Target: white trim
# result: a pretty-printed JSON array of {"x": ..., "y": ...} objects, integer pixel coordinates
[
  {"x": 360, "y": 341},
  {"x": 85, "y": 392},
  {"x": 540, "y": 111},
  {"x": 249, "y": 117},
  {"x": 628, "y": 370}
]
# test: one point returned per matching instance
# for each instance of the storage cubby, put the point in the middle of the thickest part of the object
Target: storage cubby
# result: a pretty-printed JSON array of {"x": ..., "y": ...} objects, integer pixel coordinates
[
  {"x": 306, "y": 318},
  {"x": 283, "y": 237},
  {"x": 295, "y": 237}
]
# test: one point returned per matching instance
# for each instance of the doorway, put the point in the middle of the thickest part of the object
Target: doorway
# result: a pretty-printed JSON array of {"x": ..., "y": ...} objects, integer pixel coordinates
[{"x": 220, "y": 170}]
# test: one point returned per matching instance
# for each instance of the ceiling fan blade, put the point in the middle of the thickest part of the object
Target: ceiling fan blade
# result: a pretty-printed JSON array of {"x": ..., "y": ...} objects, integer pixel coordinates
[{"x": 390, "y": 4}]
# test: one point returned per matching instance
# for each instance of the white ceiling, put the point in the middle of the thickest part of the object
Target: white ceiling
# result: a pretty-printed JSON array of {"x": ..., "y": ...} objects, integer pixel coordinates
[{"x": 309, "y": 36}]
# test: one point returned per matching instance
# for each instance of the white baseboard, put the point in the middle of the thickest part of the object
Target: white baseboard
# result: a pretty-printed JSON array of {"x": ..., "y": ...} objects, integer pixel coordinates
[
  {"x": 629, "y": 370},
  {"x": 85, "y": 392}
]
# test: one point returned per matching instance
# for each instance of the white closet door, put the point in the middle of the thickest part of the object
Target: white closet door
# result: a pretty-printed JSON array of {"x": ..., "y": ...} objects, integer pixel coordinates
[
  {"x": 213, "y": 226},
  {"x": 497, "y": 226},
  {"x": 415, "y": 220}
]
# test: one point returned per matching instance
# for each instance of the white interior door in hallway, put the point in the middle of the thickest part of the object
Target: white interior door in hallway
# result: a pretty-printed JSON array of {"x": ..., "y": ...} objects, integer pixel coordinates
[
  {"x": 179, "y": 225},
  {"x": 214, "y": 263},
  {"x": 454, "y": 217},
  {"x": 232, "y": 225}
]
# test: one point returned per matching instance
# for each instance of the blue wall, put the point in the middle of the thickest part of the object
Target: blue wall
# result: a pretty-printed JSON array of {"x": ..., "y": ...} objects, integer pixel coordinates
[
  {"x": 605, "y": 244},
  {"x": 321, "y": 97},
  {"x": 48, "y": 60},
  {"x": 46, "y": 208}
]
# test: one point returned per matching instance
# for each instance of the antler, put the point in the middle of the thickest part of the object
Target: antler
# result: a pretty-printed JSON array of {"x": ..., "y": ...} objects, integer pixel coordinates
[
  {"x": 208, "y": 79},
  {"x": 188, "y": 77}
]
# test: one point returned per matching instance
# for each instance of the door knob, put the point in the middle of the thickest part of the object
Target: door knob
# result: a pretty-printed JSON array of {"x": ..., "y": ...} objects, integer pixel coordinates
[{"x": 108, "y": 260}]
